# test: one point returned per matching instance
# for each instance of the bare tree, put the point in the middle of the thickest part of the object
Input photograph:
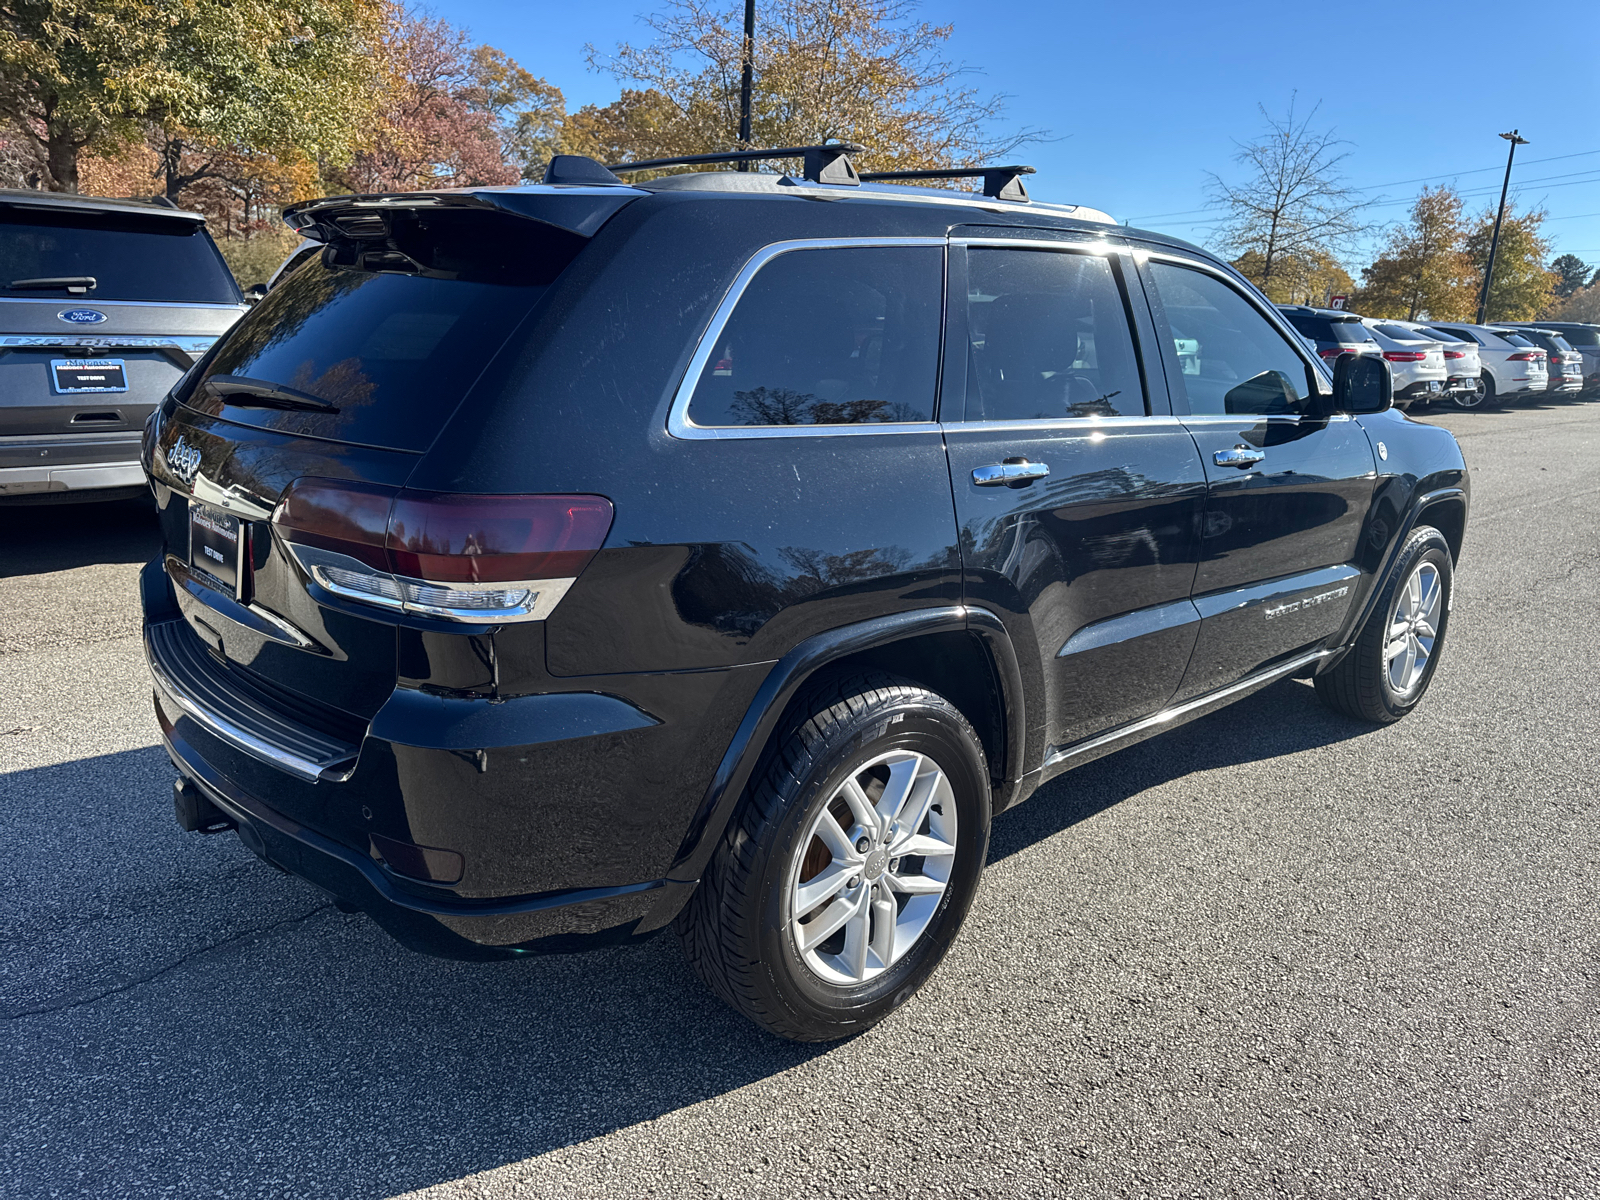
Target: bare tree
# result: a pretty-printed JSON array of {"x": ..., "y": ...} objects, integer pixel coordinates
[{"x": 1293, "y": 203}]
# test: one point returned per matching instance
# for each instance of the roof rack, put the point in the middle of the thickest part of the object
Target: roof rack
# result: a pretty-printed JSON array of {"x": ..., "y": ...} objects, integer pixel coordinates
[
  {"x": 822, "y": 164},
  {"x": 999, "y": 183}
]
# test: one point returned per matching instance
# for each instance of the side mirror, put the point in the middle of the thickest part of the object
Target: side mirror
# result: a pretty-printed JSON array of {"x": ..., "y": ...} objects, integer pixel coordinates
[
  {"x": 254, "y": 293},
  {"x": 1361, "y": 384}
]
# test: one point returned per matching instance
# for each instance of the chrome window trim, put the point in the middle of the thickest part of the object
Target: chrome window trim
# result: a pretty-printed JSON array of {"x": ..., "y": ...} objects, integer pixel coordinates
[
  {"x": 1274, "y": 317},
  {"x": 678, "y": 423},
  {"x": 1081, "y": 426},
  {"x": 1092, "y": 243},
  {"x": 89, "y": 303}
]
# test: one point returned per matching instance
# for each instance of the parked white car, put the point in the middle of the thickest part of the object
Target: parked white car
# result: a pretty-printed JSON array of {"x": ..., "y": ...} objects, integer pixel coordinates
[
  {"x": 1463, "y": 385},
  {"x": 1513, "y": 367},
  {"x": 1415, "y": 361}
]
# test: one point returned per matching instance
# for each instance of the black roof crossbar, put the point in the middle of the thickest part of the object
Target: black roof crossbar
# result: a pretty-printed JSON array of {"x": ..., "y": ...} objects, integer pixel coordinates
[
  {"x": 999, "y": 183},
  {"x": 823, "y": 164}
]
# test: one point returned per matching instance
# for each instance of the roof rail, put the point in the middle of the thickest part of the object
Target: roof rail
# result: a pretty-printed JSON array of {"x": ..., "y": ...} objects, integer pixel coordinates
[
  {"x": 999, "y": 183},
  {"x": 822, "y": 164}
]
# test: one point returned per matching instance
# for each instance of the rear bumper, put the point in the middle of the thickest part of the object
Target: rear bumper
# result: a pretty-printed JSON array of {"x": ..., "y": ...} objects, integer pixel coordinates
[
  {"x": 29, "y": 466},
  {"x": 439, "y": 923},
  {"x": 557, "y": 816}
]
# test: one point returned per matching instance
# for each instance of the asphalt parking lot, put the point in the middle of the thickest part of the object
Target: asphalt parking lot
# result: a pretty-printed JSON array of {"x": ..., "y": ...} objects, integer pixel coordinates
[{"x": 1274, "y": 952}]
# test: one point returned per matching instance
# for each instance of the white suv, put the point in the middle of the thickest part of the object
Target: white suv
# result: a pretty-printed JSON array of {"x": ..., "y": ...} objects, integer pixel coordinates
[{"x": 1512, "y": 365}]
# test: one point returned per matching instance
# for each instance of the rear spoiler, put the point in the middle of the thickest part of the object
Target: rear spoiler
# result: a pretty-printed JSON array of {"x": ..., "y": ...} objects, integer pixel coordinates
[{"x": 575, "y": 210}]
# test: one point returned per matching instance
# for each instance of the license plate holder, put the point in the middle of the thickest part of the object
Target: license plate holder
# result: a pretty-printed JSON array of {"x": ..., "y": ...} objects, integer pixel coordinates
[
  {"x": 217, "y": 547},
  {"x": 81, "y": 376}
]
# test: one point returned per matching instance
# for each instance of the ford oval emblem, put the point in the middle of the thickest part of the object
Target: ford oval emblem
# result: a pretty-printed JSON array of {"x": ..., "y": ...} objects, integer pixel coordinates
[{"x": 81, "y": 316}]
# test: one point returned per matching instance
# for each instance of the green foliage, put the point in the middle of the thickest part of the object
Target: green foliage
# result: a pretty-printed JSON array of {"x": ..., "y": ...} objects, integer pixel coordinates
[
  {"x": 290, "y": 75},
  {"x": 529, "y": 112},
  {"x": 1522, "y": 288},
  {"x": 1571, "y": 274}
]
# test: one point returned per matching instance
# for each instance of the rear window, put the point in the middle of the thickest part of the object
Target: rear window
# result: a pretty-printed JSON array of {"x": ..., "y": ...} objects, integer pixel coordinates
[
  {"x": 393, "y": 353},
  {"x": 130, "y": 257},
  {"x": 1583, "y": 337},
  {"x": 1443, "y": 335},
  {"x": 1516, "y": 339},
  {"x": 1561, "y": 343},
  {"x": 1401, "y": 333},
  {"x": 1329, "y": 329},
  {"x": 1463, "y": 334}
]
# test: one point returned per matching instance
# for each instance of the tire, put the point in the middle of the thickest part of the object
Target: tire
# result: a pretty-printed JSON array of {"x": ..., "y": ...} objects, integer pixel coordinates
[
  {"x": 1368, "y": 683},
  {"x": 739, "y": 930},
  {"x": 1482, "y": 398}
]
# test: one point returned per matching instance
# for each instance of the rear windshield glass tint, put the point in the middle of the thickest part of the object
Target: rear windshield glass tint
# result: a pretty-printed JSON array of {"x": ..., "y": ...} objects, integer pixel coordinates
[
  {"x": 1516, "y": 339},
  {"x": 1583, "y": 337},
  {"x": 394, "y": 351},
  {"x": 1327, "y": 329},
  {"x": 829, "y": 337},
  {"x": 129, "y": 257},
  {"x": 1401, "y": 333},
  {"x": 1560, "y": 343},
  {"x": 1444, "y": 335}
]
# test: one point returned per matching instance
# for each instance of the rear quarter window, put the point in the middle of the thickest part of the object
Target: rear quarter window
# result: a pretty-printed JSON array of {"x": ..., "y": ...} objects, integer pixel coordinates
[{"x": 834, "y": 336}]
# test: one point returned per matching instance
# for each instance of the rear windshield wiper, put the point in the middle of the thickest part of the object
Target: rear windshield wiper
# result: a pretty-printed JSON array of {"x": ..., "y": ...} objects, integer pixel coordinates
[
  {"x": 243, "y": 392},
  {"x": 76, "y": 284}
]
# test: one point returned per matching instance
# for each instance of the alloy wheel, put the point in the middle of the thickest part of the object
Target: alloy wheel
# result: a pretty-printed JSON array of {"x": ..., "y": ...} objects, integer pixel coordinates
[
  {"x": 1413, "y": 630},
  {"x": 870, "y": 872}
]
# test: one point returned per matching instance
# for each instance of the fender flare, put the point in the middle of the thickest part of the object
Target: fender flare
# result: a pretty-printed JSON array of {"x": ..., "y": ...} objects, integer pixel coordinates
[
  {"x": 1354, "y": 624},
  {"x": 791, "y": 672}
]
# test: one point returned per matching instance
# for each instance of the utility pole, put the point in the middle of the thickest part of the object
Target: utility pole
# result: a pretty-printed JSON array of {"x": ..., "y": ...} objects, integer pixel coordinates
[
  {"x": 747, "y": 80},
  {"x": 1494, "y": 242}
]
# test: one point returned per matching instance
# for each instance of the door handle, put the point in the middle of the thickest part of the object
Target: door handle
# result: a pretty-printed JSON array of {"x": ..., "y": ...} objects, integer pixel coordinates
[
  {"x": 1240, "y": 456},
  {"x": 1012, "y": 473}
]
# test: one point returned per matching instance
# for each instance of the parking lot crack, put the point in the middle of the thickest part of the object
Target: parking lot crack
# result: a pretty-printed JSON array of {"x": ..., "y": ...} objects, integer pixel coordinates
[{"x": 79, "y": 1000}]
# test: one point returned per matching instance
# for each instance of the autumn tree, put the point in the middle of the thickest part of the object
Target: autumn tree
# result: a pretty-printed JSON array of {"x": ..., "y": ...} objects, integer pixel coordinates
[
  {"x": 267, "y": 74},
  {"x": 1295, "y": 279},
  {"x": 1424, "y": 267},
  {"x": 1522, "y": 287},
  {"x": 1582, "y": 305},
  {"x": 1292, "y": 202},
  {"x": 433, "y": 126},
  {"x": 853, "y": 70},
  {"x": 528, "y": 113}
]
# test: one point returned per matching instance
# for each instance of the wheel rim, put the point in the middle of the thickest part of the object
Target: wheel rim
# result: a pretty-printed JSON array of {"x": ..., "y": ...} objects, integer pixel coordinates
[
  {"x": 872, "y": 869},
  {"x": 1413, "y": 630},
  {"x": 1473, "y": 398}
]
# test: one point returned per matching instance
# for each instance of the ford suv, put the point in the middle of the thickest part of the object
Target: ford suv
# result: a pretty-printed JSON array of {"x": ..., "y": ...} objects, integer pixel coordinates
[
  {"x": 545, "y": 566},
  {"x": 104, "y": 304}
]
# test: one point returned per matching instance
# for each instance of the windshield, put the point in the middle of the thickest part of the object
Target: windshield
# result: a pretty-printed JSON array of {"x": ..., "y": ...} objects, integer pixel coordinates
[
  {"x": 126, "y": 256},
  {"x": 1401, "y": 333}
]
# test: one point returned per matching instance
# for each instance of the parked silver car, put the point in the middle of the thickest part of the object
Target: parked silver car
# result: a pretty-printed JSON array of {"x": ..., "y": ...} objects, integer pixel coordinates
[
  {"x": 1513, "y": 367},
  {"x": 1565, "y": 363},
  {"x": 1582, "y": 337},
  {"x": 1415, "y": 361},
  {"x": 104, "y": 304}
]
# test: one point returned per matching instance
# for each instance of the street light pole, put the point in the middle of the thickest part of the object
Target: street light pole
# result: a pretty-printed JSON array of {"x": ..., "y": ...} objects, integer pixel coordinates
[
  {"x": 1494, "y": 242},
  {"x": 748, "y": 78}
]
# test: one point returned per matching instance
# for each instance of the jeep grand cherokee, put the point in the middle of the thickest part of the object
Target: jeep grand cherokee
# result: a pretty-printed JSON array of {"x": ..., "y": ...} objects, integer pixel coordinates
[{"x": 547, "y": 565}]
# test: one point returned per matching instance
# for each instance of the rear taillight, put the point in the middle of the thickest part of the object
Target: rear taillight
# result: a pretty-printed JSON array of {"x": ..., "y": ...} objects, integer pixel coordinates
[
  {"x": 479, "y": 559},
  {"x": 1335, "y": 352},
  {"x": 1525, "y": 356},
  {"x": 1405, "y": 355},
  {"x": 1455, "y": 353}
]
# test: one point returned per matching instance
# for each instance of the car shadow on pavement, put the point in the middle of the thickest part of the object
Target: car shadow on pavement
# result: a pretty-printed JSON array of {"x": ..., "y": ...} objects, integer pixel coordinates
[
  {"x": 1282, "y": 719},
  {"x": 36, "y": 538},
  {"x": 204, "y": 1024}
]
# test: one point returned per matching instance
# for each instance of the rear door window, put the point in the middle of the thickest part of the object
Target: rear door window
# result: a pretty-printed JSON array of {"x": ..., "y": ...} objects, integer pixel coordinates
[
  {"x": 1048, "y": 338},
  {"x": 129, "y": 256},
  {"x": 832, "y": 336}
]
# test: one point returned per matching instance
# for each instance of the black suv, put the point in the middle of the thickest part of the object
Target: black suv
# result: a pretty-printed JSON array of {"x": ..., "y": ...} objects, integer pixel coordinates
[
  {"x": 104, "y": 304},
  {"x": 547, "y": 565},
  {"x": 1334, "y": 331}
]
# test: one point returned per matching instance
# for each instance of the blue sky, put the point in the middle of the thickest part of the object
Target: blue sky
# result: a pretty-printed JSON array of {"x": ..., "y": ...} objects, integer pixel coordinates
[{"x": 1145, "y": 99}]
